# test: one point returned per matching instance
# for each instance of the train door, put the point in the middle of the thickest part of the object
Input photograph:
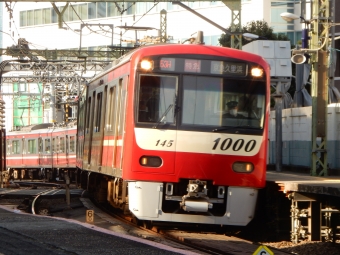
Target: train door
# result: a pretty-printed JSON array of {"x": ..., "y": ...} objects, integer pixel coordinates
[
  {"x": 18, "y": 150},
  {"x": 72, "y": 151},
  {"x": 89, "y": 132},
  {"x": 98, "y": 130},
  {"x": 54, "y": 152},
  {"x": 81, "y": 123},
  {"x": 40, "y": 150},
  {"x": 46, "y": 160},
  {"x": 61, "y": 161},
  {"x": 156, "y": 122},
  {"x": 109, "y": 134},
  {"x": 120, "y": 123},
  {"x": 23, "y": 158},
  {"x": 67, "y": 149}
]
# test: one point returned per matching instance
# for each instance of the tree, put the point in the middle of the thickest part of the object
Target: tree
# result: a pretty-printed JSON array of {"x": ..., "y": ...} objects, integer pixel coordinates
[
  {"x": 262, "y": 29},
  {"x": 258, "y": 27}
]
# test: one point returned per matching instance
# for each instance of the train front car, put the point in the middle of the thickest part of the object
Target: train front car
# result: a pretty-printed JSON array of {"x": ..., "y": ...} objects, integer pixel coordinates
[
  {"x": 198, "y": 146},
  {"x": 178, "y": 134}
]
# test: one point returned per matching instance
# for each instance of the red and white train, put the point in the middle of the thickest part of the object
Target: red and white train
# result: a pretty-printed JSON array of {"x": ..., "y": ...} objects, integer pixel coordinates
[
  {"x": 159, "y": 134},
  {"x": 41, "y": 151}
]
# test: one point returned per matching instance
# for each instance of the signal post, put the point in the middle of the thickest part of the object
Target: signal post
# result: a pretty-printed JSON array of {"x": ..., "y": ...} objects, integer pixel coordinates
[{"x": 319, "y": 59}]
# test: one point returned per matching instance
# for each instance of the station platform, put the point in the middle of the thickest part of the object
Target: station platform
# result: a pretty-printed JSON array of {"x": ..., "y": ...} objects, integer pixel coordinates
[
  {"x": 300, "y": 182},
  {"x": 23, "y": 233}
]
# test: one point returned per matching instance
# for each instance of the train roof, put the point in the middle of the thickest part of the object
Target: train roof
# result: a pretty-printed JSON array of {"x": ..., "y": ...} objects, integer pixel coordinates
[
  {"x": 37, "y": 126},
  {"x": 44, "y": 126}
]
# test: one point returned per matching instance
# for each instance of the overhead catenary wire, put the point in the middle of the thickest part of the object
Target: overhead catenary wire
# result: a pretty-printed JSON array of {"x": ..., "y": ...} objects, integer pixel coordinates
[{"x": 93, "y": 31}]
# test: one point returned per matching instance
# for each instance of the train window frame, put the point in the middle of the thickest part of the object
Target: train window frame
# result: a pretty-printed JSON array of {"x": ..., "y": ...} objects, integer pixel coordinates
[
  {"x": 233, "y": 124},
  {"x": 88, "y": 115},
  {"x": 40, "y": 145},
  {"x": 121, "y": 101},
  {"x": 72, "y": 143},
  {"x": 18, "y": 146},
  {"x": 98, "y": 111},
  {"x": 61, "y": 144},
  {"x": 31, "y": 146},
  {"x": 53, "y": 145},
  {"x": 111, "y": 116},
  {"x": 47, "y": 145},
  {"x": 140, "y": 101},
  {"x": 8, "y": 147}
]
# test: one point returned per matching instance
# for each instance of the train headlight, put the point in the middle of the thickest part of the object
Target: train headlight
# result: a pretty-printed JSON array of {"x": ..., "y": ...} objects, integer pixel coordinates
[
  {"x": 147, "y": 65},
  {"x": 243, "y": 167},
  {"x": 257, "y": 72},
  {"x": 150, "y": 161}
]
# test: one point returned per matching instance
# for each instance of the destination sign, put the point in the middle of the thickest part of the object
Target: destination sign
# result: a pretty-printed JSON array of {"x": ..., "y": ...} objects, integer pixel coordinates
[
  {"x": 202, "y": 66},
  {"x": 192, "y": 65},
  {"x": 229, "y": 68},
  {"x": 167, "y": 64}
]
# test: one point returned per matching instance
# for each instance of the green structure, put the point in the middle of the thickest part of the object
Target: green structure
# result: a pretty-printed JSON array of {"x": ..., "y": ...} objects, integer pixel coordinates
[{"x": 27, "y": 106}]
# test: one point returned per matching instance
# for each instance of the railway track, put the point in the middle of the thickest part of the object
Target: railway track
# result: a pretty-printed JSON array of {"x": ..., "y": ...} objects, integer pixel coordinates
[
  {"x": 192, "y": 238},
  {"x": 202, "y": 239},
  {"x": 51, "y": 202}
]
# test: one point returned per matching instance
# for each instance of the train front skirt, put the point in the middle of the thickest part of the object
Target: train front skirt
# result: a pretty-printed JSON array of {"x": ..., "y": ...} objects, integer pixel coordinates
[{"x": 146, "y": 198}]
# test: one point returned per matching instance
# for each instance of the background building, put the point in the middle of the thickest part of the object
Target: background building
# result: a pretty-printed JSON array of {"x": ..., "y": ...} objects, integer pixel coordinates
[{"x": 85, "y": 25}]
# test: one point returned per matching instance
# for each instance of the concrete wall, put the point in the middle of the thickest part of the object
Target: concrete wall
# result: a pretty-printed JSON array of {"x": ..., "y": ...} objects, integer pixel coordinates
[{"x": 297, "y": 134}]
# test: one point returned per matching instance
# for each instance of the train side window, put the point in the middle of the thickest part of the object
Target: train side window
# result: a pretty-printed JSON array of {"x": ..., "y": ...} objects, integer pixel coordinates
[
  {"x": 98, "y": 118},
  {"x": 72, "y": 143},
  {"x": 67, "y": 140},
  {"x": 8, "y": 144},
  {"x": 62, "y": 144},
  {"x": 88, "y": 115},
  {"x": 111, "y": 109},
  {"x": 48, "y": 145},
  {"x": 15, "y": 147},
  {"x": 40, "y": 141},
  {"x": 23, "y": 144},
  {"x": 57, "y": 144},
  {"x": 53, "y": 144},
  {"x": 120, "y": 109},
  {"x": 32, "y": 146}
]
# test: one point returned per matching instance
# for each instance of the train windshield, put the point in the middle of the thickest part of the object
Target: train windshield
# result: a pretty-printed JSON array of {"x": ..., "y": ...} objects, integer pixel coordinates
[
  {"x": 222, "y": 103},
  {"x": 203, "y": 102},
  {"x": 157, "y": 95}
]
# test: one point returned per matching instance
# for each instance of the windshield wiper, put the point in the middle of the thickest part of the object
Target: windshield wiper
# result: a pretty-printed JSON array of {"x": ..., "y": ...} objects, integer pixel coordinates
[
  {"x": 163, "y": 115},
  {"x": 233, "y": 127}
]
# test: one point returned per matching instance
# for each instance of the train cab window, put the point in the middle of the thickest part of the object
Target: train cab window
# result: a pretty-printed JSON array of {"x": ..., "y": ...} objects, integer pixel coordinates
[
  {"x": 157, "y": 96},
  {"x": 15, "y": 147},
  {"x": 32, "y": 146},
  {"x": 72, "y": 143},
  {"x": 62, "y": 144},
  {"x": 47, "y": 145}
]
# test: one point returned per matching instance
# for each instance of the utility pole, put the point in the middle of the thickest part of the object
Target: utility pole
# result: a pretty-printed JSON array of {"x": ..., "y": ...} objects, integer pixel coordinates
[
  {"x": 319, "y": 43},
  {"x": 163, "y": 26},
  {"x": 2, "y": 142}
]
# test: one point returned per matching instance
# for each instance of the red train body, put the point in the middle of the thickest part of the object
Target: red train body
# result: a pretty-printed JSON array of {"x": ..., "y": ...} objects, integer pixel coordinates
[
  {"x": 156, "y": 133},
  {"x": 41, "y": 151}
]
